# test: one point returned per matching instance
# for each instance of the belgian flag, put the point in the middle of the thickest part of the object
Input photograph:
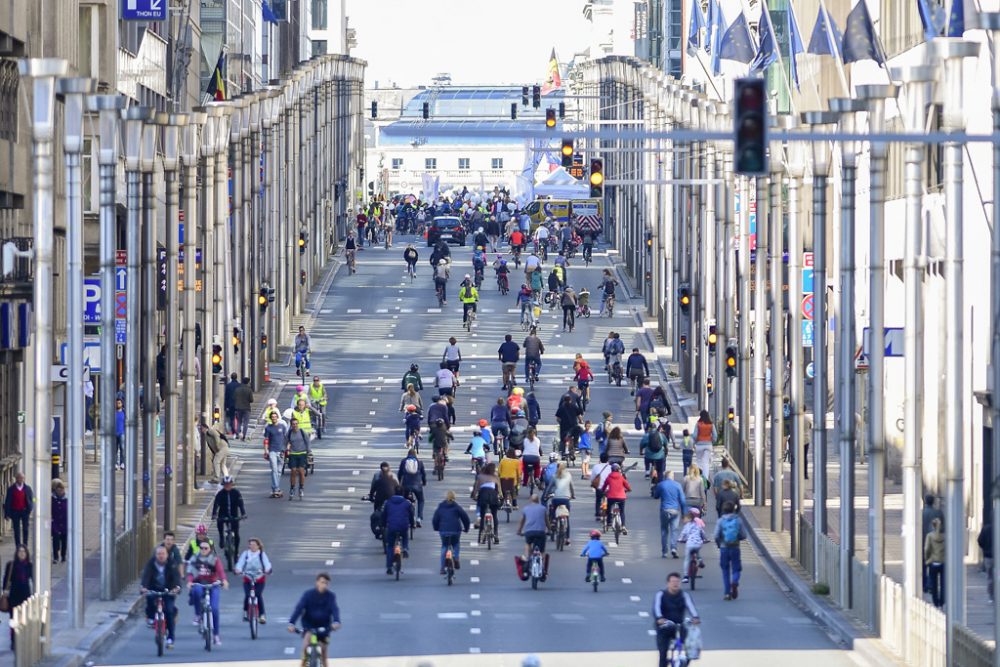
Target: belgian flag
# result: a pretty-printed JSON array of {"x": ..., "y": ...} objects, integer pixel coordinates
[{"x": 217, "y": 84}]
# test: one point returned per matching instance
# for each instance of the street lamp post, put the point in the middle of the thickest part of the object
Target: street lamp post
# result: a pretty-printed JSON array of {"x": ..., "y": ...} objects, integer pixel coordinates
[
  {"x": 206, "y": 303},
  {"x": 189, "y": 432},
  {"x": 254, "y": 313},
  {"x": 221, "y": 218},
  {"x": 150, "y": 330},
  {"x": 108, "y": 108},
  {"x": 821, "y": 121},
  {"x": 795, "y": 165},
  {"x": 42, "y": 72},
  {"x": 73, "y": 92}
]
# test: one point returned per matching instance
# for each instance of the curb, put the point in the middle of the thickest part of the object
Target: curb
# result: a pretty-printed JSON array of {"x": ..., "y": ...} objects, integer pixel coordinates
[{"x": 838, "y": 625}]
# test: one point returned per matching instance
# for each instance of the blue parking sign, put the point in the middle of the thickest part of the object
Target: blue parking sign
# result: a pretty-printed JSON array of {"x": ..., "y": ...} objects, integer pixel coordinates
[
  {"x": 807, "y": 280},
  {"x": 807, "y": 333}
]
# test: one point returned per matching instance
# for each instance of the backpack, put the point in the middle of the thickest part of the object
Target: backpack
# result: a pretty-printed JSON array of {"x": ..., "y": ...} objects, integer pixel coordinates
[
  {"x": 655, "y": 444},
  {"x": 731, "y": 530},
  {"x": 412, "y": 467}
]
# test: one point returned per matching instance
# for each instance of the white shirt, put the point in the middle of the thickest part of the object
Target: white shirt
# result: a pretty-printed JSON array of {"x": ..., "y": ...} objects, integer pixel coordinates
[
  {"x": 601, "y": 470},
  {"x": 532, "y": 262},
  {"x": 444, "y": 378},
  {"x": 452, "y": 353},
  {"x": 542, "y": 232},
  {"x": 531, "y": 447}
]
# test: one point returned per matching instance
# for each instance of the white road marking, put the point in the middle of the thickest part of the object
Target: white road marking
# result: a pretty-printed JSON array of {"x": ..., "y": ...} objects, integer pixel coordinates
[
  {"x": 375, "y": 400},
  {"x": 475, "y": 612},
  {"x": 473, "y": 596},
  {"x": 345, "y": 429},
  {"x": 619, "y": 563},
  {"x": 633, "y": 598},
  {"x": 475, "y": 631},
  {"x": 473, "y": 562},
  {"x": 347, "y": 508},
  {"x": 652, "y": 633},
  {"x": 351, "y": 311},
  {"x": 350, "y": 489},
  {"x": 355, "y": 472},
  {"x": 371, "y": 412},
  {"x": 382, "y": 310},
  {"x": 452, "y": 615},
  {"x": 626, "y": 580},
  {"x": 341, "y": 526},
  {"x": 474, "y": 580},
  {"x": 644, "y": 614},
  {"x": 361, "y": 456},
  {"x": 473, "y": 649},
  {"x": 289, "y": 650},
  {"x": 472, "y": 400},
  {"x": 325, "y": 311},
  {"x": 329, "y": 562},
  {"x": 334, "y": 544},
  {"x": 433, "y": 310}
]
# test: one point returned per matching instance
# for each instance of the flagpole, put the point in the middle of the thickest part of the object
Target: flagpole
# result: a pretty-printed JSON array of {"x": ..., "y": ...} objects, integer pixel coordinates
[
  {"x": 837, "y": 56},
  {"x": 708, "y": 73},
  {"x": 777, "y": 51}
]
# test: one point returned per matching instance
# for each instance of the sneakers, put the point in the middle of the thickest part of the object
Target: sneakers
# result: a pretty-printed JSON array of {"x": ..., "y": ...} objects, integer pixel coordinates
[
  {"x": 169, "y": 643},
  {"x": 291, "y": 494},
  {"x": 442, "y": 571},
  {"x": 246, "y": 617},
  {"x": 625, "y": 532},
  {"x": 196, "y": 621},
  {"x": 603, "y": 579},
  {"x": 685, "y": 580},
  {"x": 727, "y": 597},
  {"x": 734, "y": 590},
  {"x": 300, "y": 493},
  {"x": 217, "y": 640},
  {"x": 263, "y": 619},
  {"x": 388, "y": 570},
  {"x": 458, "y": 564},
  {"x": 406, "y": 553},
  {"x": 419, "y": 523},
  {"x": 149, "y": 623},
  {"x": 673, "y": 553},
  {"x": 663, "y": 555}
]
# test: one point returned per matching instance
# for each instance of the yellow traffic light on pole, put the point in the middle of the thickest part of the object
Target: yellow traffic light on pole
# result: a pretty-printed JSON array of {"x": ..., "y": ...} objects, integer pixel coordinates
[
  {"x": 597, "y": 177},
  {"x": 550, "y": 118},
  {"x": 567, "y": 153}
]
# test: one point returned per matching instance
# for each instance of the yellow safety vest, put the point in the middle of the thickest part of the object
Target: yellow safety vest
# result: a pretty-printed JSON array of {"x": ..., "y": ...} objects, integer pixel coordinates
[
  {"x": 317, "y": 396},
  {"x": 304, "y": 418},
  {"x": 468, "y": 294}
]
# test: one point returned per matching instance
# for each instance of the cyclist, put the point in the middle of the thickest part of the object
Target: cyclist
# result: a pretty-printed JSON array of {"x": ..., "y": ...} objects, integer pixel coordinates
[
  {"x": 518, "y": 427},
  {"x": 583, "y": 376},
  {"x": 441, "y": 275},
  {"x": 549, "y": 473},
  {"x": 254, "y": 565},
  {"x": 200, "y": 535},
  {"x": 569, "y": 303},
  {"x": 534, "y": 413},
  {"x": 301, "y": 393},
  {"x": 452, "y": 356},
  {"x": 502, "y": 272},
  {"x": 486, "y": 493},
  {"x": 510, "y": 474},
  {"x": 636, "y": 368},
  {"x": 204, "y": 570},
  {"x": 161, "y": 576},
  {"x": 508, "y": 354},
  {"x": 479, "y": 263},
  {"x": 397, "y": 519},
  {"x": 351, "y": 248},
  {"x": 477, "y": 447},
  {"x": 450, "y": 520},
  {"x": 614, "y": 348},
  {"x": 516, "y": 400},
  {"x": 413, "y": 479},
  {"x": 438, "y": 411},
  {"x": 534, "y": 526},
  {"x": 479, "y": 239},
  {"x": 536, "y": 283},
  {"x": 439, "y": 438},
  {"x": 270, "y": 409},
  {"x": 318, "y": 610},
  {"x": 560, "y": 492},
  {"x": 615, "y": 489},
  {"x": 533, "y": 351},
  {"x": 595, "y": 551},
  {"x": 555, "y": 283},
  {"x": 318, "y": 398},
  {"x": 516, "y": 243},
  {"x": 588, "y": 245},
  {"x": 531, "y": 264},
  {"x": 469, "y": 296},
  {"x": 523, "y": 301},
  {"x": 607, "y": 287},
  {"x": 531, "y": 455},
  {"x": 229, "y": 508},
  {"x": 297, "y": 455},
  {"x": 488, "y": 436},
  {"x": 445, "y": 380},
  {"x": 412, "y": 424},
  {"x": 500, "y": 419},
  {"x": 301, "y": 347},
  {"x": 441, "y": 252},
  {"x": 412, "y": 376},
  {"x": 670, "y": 607},
  {"x": 693, "y": 536},
  {"x": 542, "y": 238},
  {"x": 410, "y": 256}
]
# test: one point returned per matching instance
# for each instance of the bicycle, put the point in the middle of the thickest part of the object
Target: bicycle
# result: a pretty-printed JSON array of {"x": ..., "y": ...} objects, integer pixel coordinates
[
  {"x": 502, "y": 283},
  {"x": 609, "y": 305},
  {"x": 253, "y": 610},
  {"x": 312, "y": 655},
  {"x": 595, "y": 575},
  {"x": 508, "y": 505},
  {"x": 440, "y": 460},
  {"x": 478, "y": 278},
  {"x": 612, "y": 520},
  {"x": 411, "y": 270},
  {"x": 159, "y": 621},
  {"x": 439, "y": 289},
  {"x": 301, "y": 361},
  {"x": 561, "y": 532},
  {"x": 693, "y": 566},
  {"x": 676, "y": 651},
  {"x": 477, "y": 464},
  {"x": 229, "y": 541},
  {"x": 449, "y": 562},
  {"x": 588, "y": 254},
  {"x": 351, "y": 261},
  {"x": 615, "y": 373},
  {"x": 486, "y": 529},
  {"x": 207, "y": 625},
  {"x": 532, "y": 374},
  {"x": 397, "y": 556},
  {"x": 536, "y": 569},
  {"x": 470, "y": 319}
]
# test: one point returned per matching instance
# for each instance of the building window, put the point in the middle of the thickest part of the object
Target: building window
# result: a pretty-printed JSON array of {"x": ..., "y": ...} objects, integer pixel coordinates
[
  {"x": 87, "y": 162},
  {"x": 8, "y": 99},
  {"x": 463, "y": 164},
  {"x": 319, "y": 47},
  {"x": 319, "y": 14},
  {"x": 430, "y": 164},
  {"x": 397, "y": 163},
  {"x": 496, "y": 163}
]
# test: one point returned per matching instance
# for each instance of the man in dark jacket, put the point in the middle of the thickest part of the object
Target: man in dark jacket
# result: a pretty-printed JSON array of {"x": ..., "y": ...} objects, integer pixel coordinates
[
  {"x": 413, "y": 479},
  {"x": 397, "y": 519},
  {"x": 450, "y": 521},
  {"x": 160, "y": 576},
  {"x": 242, "y": 401},
  {"x": 18, "y": 504},
  {"x": 229, "y": 403},
  {"x": 228, "y": 508},
  {"x": 438, "y": 410},
  {"x": 383, "y": 486}
]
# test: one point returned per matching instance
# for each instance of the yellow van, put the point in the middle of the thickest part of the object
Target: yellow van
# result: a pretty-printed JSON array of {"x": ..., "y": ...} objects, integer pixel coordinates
[{"x": 561, "y": 210}]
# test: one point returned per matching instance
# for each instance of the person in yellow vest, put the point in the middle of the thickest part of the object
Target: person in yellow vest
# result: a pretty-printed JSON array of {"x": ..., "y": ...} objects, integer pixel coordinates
[
  {"x": 303, "y": 413},
  {"x": 272, "y": 406},
  {"x": 469, "y": 296},
  {"x": 318, "y": 398},
  {"x": 300, "y": 393}
]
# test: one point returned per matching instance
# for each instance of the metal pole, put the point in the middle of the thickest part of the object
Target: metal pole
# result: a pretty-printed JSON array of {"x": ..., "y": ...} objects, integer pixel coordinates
[
  {"x": 206, "y": 304},
  {"x": 914, "y": 96},
  {"x": 189, "y": 432},
  {"x": 952, "y": 53},
  {"x": 150, "y": 330},
  {"x": 795, "y": 166},
  {"x": 875, "y": 95},
  {"x": 134, "y": 117},
  {"x": 846, "y": 422},
  {"x": 777, "y": 335},
  {"x": 709, "y": 255},
  {"x": 760, "y": 353},
  {"x": 108, "y": 108},
  {"x": 73, "y": 91},
  {"x": 42, "y": 72},
  {"x": 743, "y": 271},
  {"x": 219, "y": 245}
]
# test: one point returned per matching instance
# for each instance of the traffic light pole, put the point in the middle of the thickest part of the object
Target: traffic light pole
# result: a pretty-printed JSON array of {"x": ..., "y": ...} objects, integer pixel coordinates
[
  {"x": 777, "y": 335},
  {"x": 795, "y": 168},
  {"x": 192, "y": 313},
  {"x": 760, "y": 352},
  {"x": 150, "y": 329},
  {"x": 206, "y": 303},
  {"x": 743, "y": 272}
]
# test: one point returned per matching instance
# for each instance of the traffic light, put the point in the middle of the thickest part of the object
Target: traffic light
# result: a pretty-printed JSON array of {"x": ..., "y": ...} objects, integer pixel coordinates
[
  {"x": 263, "y": 341},
  {"x": 236, "y": 340},
  {"x": 597, "y": 177},
  {"x": 731, "y": 361},
  {"x": 216, "y": 415},
  {"x": 713, "y": 338},
  {"x": 374, "y": 109},
  {"x": 684, "y": 298},
  {"x": 536, "y": 96},
  {"x": 562, "y": 110},
  {"x": 567, "y": 153},
  {"x": 524, "y": 95},
  {"x": 731, "y": 414},
  {"x": 750, "y": 116},
  {"x": 302, "y": 277},
  {"x": 709, "y": 385},
  {"x": 216, "y": 359},
  {"x": 550, "y": 118},
  {"x": 649, "y": 241},
  {"x": 684, "y": 341},
  {"x": 262, "y": 299},
  {"x": 513, "y": 110},
  {"x": 426, "y": 110},
  {"x": 302, "y": 243}
]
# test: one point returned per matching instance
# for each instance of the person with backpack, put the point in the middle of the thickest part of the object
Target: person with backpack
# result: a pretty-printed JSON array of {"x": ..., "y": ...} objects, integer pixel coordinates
[
  {"x": 653, "y": 448},
  {"x": 729, "y": 532},
  {"x": 254, "y": 565},
  {"x": 413, "y": 479},
  {"x": 450, "y": 520}
]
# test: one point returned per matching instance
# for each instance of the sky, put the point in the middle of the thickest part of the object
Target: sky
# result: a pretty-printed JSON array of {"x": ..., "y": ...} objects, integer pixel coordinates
[{"x": 508, "y": 42}]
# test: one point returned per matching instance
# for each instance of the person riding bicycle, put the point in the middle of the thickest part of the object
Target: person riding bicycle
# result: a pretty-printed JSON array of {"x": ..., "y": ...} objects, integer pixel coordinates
[
  {"x": 501, "y": 270},
  {"x": 583, "y": 300},
  {"x": 161, "y": 576},
  {"x": 486, "y": 493},
  {"x": 555, "y": 283},
  {"x": 200, "y": 535},
  {"x": 607, "y": 288},
  {"x": 583, "y": 376},
  {"x": 533, "y": 351},
  {"x": 615, "y": 488},
  {"x": 469, "y": 296},
  {"x": 531, "y": 452},
  {"x": 440, "y": 437},
  {"x": 204, "y": 571},
  {"x": 534, "y": 412},
  {"x": 693, "y": 537},
  {"x": 441, "y": 252},
  {"x": 534, "y": 526},
  {"x": 518, "y": 427},
  {"x": 410, "y": 256},
  {"x": 670, "y": 608},
  {"x": 351, "y": 246},
  {"x": 441, "y": 274},
  {"x": 301, "y": 347},
  {"x": 229, "y": 508},
  {"x": 254, "y": 565},
  {"x": 636, "y": 368},
  {"x": 450, "y": 520},
  {"x": 479, "y": 262},
  {"x": 452, "y": 356},
  {"x": 614, "y": 348},
  {"x": 569, "y": 302},
  {"x": 508, "y": 354},
  {"x": 559, "y": 492},
  {"x": 318, "y": 398},
  {"x": 477, "y": 447},
  {"x": 588, "y": 244},
  {"x": 523, "y": 301},
  {"x": 297, "y": 455},
  {"x": 438, "y": 411},
  {"x": 413, "y": 479},
  {"x": 397, "y": 519},
  {"x": 412, "y": 376},
  {"x": 412, "y": 422},
  {"x": 595, "y": 551},
  {"x": 318, "y": 610},
  {"x": 301, "y": 393},
  {"x": 516, "y": 242},
  {"x": 479, "y": 239},
  {"x": 445, "y": 380},
  {"x": 509, "y": 473}
]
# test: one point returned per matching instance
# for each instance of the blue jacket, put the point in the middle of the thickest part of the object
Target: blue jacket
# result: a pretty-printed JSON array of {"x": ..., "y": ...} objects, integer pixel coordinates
[
  {"x": 671, "y": 496},
  {"x": 594, "y": 549},
  {"x": 397, "y": 515},
  {"x": 450, "y": 518},
  {"x": 412, "y": 480},
  {"x": 437, "y": 411},
  {"x": 534, "y": 409},
  {"x": 318, "y": 610}
]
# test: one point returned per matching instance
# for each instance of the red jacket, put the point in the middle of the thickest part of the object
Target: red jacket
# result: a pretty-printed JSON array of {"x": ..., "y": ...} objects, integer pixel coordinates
[{"x": 615, "y": 486}]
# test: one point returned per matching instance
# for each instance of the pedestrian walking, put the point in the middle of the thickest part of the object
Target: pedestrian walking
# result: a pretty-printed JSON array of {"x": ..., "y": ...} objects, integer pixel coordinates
[
  {"x": 229, "y": 404},
  {"x": 275, "y": 440},
  {"x": 929, "y": 513},
  {"x": 729, "y": 532},
  {"x": 218, "y": 447},
  {"x": 694, "y": 488},
  {"x": 120, "y": 434},
  {"x": 934, "y": 556},
  {"x": 60, "y": 521},
  {"x": 18, "y": 504},
  {"x": 672, "y": 508},
  {"x": 18, "y": 582},
  {"x": 705, "y": 436},
  {"x": 985, "y": 542},
  {"x": 242, "y": 402}
]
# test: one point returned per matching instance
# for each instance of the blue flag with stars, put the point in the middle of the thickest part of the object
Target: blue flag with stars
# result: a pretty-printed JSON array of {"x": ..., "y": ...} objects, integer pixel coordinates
[
  {"x": 737, "y": 44},
  {"x": 794, "y": 45},
  {"x": 956, "y": 19},
  {"x": 716, "y": 27},
  {"x": 860, "y": 42},
  {"x": 696, "y": 26},
  {"x": 825, "y": 36},
  {"x": 767, "y": 51},
  {"x": 931, "y": 18}
]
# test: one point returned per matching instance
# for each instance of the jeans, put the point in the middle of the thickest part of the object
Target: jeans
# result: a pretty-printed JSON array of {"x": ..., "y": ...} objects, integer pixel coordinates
[
  {"x": 19, "y": 524},
  {"x": 665, "y": 636},
  {"x": 687, "y": 456},
  {"x": 418, "y": 493},
  {"x": 88, "y": 420},
  {"x": 390, "y": 541},
  {"x": 197, "y": 593},
  {"x": 620, "y": 502},
  {"x": 538, "y": 366},
  {"x": 230, "y": 420},
  {"x": 600, "y": 566},
  {"x": 452, "y": 540},
  {"x": 59, "y": 546},
  {"x": 298, "y": 360},
  {"x": 598, "y": 497},
  {"x": 235, "y": 525},
  {"x": 120, "y": 449},
  {"x": 569, "y": 316},
  {"x": 275, "y": 459},
  {"x": 260, "y": 595},
  {"x": 242, "y": 422},
  {"x": 935, "y": 583},
  {"x": 660, "y": 465},
  {"x": 732, "y": 565},
  {"x": 169, "y": 612},
  {"x": 670, "y": 522}
]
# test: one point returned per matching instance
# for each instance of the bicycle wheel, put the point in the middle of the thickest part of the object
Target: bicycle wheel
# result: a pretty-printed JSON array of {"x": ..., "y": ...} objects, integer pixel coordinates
[
  {"x": 252, "y": 614},
  {"x": 561, "y": 535},
  {"x": 206, "y": 624},
  {"x": 397, "y": 566},
  {"x": 160, "y": 623}
]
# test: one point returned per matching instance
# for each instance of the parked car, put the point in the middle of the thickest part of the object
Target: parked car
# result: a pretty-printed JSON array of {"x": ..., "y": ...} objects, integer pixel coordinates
[{"x": 448, "y": 228}]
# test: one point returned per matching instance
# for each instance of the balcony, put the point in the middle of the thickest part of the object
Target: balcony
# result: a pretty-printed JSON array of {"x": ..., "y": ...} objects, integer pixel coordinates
[
  {"x": 18, "y": 284},
  {"x": 147, "y": 68}
]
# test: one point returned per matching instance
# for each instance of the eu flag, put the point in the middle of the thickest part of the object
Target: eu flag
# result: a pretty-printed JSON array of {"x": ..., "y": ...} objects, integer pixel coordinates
[
  {"x": 794, "y": 45},
  {"x": 716, "y": 27},
  {"x": 956, "y": 19},
  {"x": 826, "y": 37},
  {"x": 267, "y": 13},
  {"x": 736, "y": 43},
  {"x": 931, "y": 18},
  {"x": 767, "y": 51},
  {"x": 860, "y": 42},
  {"x": 696, "y": 26}
]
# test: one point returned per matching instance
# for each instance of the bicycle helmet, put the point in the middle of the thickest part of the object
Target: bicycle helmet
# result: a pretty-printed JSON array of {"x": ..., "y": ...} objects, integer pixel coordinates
[
  {"x": 483, "y": 422},
  {"x": 553, "y": 457},
  {"x": 595, "y": 533},
  {"x": 272, "y": 401},
  {"x": 694, "y": 511},
  {"x": 411, "y": 408},
  {"x": 414, "y": 367},
  {"x": 201, "y": 529},
  {"x": 227, "y": 479},
  {"x": 300, "y": 389}
]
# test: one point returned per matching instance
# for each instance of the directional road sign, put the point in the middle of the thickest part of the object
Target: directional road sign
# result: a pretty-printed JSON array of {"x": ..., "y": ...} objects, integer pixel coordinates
[
  {"x": 807, "y": 306},
  {"x": 144, "y": 10},
  {"x": 894, "y": 341}
]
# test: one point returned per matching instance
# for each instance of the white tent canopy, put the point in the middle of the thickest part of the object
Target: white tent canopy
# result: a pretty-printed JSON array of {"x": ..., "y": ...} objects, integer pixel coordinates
[{"x": 559, "y": 184}]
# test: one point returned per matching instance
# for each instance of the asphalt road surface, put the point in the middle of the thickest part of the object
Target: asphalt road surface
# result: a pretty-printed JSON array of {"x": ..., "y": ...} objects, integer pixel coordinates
[{"x": 369, "y": 328}]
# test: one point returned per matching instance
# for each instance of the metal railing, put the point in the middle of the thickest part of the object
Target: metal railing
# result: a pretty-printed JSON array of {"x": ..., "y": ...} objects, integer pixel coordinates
[
  {"x": 30, "y": 623},
  {"x": 132, "y": 550},
  {"x": 970, "y": 650},
  {"x": 22, "y": 265}
]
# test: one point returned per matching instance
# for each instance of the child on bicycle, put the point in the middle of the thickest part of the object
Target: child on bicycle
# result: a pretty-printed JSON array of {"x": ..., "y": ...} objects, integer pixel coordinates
[
  {"x": 693, "y": 537},
  {"x": 584, "y": 447},
  {"x": 595, "y": 551},
  {"x": 477, "y": 449},
  {"x": 412, "y": 421},
  {"x": 583, "y": 301}
]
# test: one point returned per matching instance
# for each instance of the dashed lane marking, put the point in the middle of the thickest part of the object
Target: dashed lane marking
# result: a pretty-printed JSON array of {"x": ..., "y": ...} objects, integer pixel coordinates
[
  {"x": 474, "y": 580},
  {"x": 626, "y": 580},
  {"x": 329, "y": 562},
  {"x": 355, "y": 472},
  {"x": 619, "y": 563},
  {"x": 473, "y": 562},
  {"x": 334, "y": 544},
  {"x": 473, "y": 596},
  {"x": 350, "y": 489},
  {"x": 394, "y": 616},
  {"x": 473, "y": 649},
  {"x": 633, "y": 598},
  {"x": 341, "y": 526},
  {"x": 475, "y": 631},
  {"x": 289, "y": 650},
  {"x": 452, "y": 615},
  {"x": 475, "y": 612},
  {"x": 347, "y": 508},
  {"x": 353, "y": 311}
]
